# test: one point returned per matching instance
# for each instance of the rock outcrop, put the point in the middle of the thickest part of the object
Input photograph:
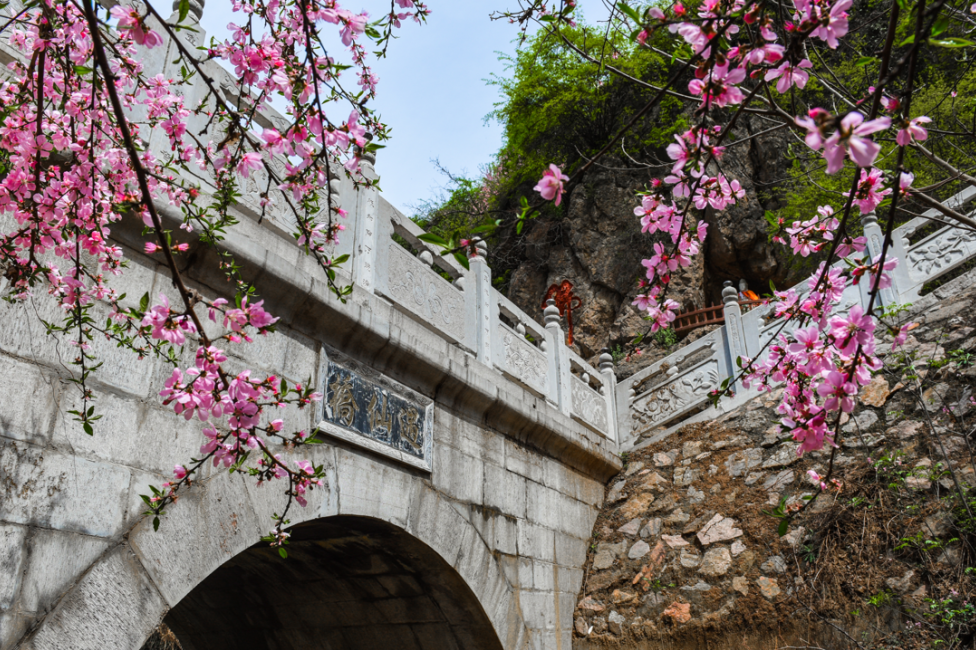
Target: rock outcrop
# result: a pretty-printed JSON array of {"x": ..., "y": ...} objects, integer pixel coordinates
[{"x": 598, "y": 244}]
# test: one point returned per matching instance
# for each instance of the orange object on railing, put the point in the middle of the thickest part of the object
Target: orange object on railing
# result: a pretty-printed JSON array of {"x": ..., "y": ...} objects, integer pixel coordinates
[{"x": 715, "y": 315}]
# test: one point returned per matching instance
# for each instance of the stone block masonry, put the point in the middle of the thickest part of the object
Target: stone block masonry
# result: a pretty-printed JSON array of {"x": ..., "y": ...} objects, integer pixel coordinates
[{"x": 515, "y": 438}]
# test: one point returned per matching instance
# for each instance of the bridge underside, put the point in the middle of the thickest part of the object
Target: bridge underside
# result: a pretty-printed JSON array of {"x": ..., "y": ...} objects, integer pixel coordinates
[{"x": 348, "y": 582}]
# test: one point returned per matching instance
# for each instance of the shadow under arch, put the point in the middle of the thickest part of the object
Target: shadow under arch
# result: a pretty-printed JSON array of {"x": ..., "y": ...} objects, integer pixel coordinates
[{"x": 349, "y": 582}]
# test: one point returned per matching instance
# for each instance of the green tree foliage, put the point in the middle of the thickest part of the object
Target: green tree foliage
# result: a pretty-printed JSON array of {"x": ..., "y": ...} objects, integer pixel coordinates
[
  {"x": 560, "y": 107},
  {"x": 946, "y": 92}
]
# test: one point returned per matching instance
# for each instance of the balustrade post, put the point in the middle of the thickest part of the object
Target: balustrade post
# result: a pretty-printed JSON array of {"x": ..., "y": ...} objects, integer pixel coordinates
[
  {"x": 875, "y": 241},
  {"x": 735, "y": 339},
  {"x": 478, "y": 302},
  {"x": 610, "y": 393},
  {"x": 366, "y": 228},
  {"x": 560, "y": 375}
]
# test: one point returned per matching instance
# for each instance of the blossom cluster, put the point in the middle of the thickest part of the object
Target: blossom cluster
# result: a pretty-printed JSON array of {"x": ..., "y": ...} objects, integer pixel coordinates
[
  {"x": 740, "y": 50},
  {"x": 79, "y": 114}
]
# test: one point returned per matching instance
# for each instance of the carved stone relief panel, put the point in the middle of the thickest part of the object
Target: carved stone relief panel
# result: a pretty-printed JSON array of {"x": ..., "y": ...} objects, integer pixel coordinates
[
  {"x": 425, "y": 293},
  {"x": 524, "y": 361},
  {"x": 684, "y": 391},
  {"x": 946, "y": 249},
  {"x": 589, "y": 405},
  {"x": 370, "y": 412}
]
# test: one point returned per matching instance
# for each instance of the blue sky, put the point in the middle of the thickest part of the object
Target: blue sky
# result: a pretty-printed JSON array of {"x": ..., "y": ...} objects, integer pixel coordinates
[{"x": 432, "y": 91}]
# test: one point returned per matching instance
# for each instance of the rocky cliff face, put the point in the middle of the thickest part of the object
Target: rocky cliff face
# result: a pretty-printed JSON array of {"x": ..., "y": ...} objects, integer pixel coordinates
[{"x": 598, "y": 244}]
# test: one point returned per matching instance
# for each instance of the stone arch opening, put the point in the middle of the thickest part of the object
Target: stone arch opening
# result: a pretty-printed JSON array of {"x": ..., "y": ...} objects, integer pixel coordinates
[{"x": 349, "y": 582}]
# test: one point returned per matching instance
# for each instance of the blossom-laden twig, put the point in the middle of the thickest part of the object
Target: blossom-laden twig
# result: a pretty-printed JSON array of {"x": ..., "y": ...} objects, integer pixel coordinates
[{"x": 76, "y": 118}]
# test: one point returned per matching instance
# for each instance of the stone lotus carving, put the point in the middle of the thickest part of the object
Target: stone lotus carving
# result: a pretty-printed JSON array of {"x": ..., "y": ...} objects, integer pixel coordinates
[
  {"x": 525, "y": 362},
  {"x": 671, "y": 398},
  {"x": 589, "y": 405},
  {"x": 941, "y": 252},
  {"x": 425, "y": 293}
]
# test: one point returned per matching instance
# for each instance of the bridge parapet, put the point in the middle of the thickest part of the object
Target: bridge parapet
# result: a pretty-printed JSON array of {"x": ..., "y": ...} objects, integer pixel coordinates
[{"x": 675, "y": 390}]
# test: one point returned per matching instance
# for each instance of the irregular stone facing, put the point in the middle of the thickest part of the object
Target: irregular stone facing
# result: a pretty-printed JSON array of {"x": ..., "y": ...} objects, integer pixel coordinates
[
  {"x": 639, "y": 550},
  {"x": 777, "y": 482},
  {"x": 718, "y": 529},
  {"x": 775, "y": 564},
  {"x": 678, "y": 612},
  {"x": 674, "y": 541},
  {"x": 590, "y": 604},
  {"x": 768, "y": 587},
  {"x": 677, "y": 517},
  {"x": 691, "y": 449},
  {"x": 616, "y": 493},
  {"x": 615, "y": 622},
  {"x": 652, "y": 529},
  {"x": 905, "y": 429},
  {"x": 663, "y": 460},
  {"x": 876, "y": 393},
  {"x": 620, "y": 597},
  {"x": 709, "y": 466},
  {"x": 903, "y": 584},
  {"x": 861, "y": 423},
  {"x": 784, "y": 455},
  {"x": 631, "y": 527},
  {"x": 685, "y": 476},
  {"x": 655, "y": 481},
  {"x": 740, "y": 584},
  {"x": 690, "y": 559},
  {"x": 742, "y": 461},
  {"x": 636, "y": 506},
  {"x": 716, "y": 561},
  {"x": 606, "y": 553}
]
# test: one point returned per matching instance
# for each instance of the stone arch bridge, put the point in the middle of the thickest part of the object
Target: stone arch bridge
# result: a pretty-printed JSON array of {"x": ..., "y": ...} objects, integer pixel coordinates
[
  {"x": 467, "y": 449},
  {"x": 466, "y": 461}
]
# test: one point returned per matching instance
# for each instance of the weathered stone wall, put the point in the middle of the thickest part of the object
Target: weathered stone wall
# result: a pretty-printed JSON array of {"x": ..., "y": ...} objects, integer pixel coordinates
[
  {"x": 509, "y": 505},
  {"x": 683, "y": 554}
]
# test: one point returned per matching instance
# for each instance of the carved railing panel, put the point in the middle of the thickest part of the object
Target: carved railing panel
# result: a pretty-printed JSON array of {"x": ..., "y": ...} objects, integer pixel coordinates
[
  {"x": 677, "y": 396},
  {"x": 422, "y": 294},
  {"x": 522, "y": 361},
  {"x": 589, "y": 406},
  {"x": 940, "y": 253}
]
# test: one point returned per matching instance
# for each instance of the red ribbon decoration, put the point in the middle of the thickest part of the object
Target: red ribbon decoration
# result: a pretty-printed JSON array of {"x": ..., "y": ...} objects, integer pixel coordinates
[{"x": 566, "y": 301}]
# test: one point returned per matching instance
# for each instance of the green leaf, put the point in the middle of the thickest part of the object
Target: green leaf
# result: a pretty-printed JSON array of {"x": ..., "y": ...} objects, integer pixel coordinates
[
  {"x": 952, "y": 41},
  {"x": 81, "y": 70},
  {"x": 144, "y": 302},
  {"x": 282, "y": 552},
  {"x": 155, "y": 524},
  {"x": 908, "y": 41},
  {"x": 864, "y": 60},
  {"x": 431, "y": 238},
  {"x": 633, "y": 15},
  {"x": 88, "y": 429},
  {"x": 941, "y": 24},
  {"x": 489, "y": 227},
  {"x": 184, "y": 10},
  {"x": 462, "y": 260},
  {"x": 518, "y": 227},
  {"x": 784, "y": 526},
  {"x": 342, "y": 259}
]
